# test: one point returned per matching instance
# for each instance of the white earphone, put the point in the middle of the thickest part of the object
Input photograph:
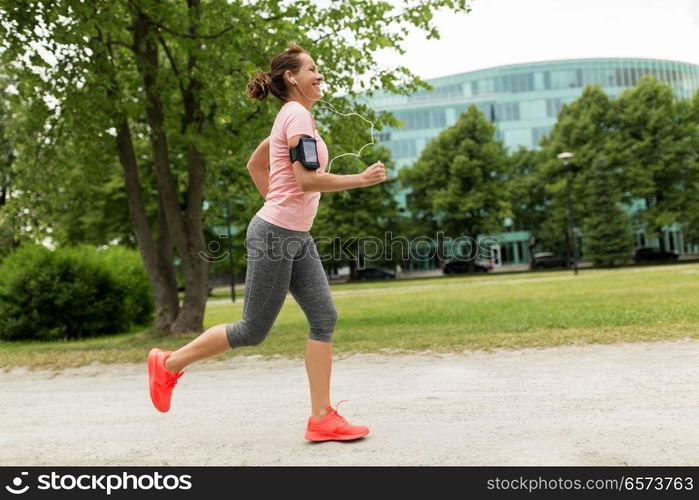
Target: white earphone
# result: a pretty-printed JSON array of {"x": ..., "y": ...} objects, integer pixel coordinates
[{"x": 343, "y": 114}]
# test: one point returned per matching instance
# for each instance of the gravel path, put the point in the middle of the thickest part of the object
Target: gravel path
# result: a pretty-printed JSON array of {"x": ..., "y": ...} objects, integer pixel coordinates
[{"x": 623, "y": 404}]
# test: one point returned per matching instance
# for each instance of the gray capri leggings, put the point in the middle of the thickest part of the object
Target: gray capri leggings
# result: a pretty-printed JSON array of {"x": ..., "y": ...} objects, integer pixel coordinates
[{"x": 282, "y": 260}]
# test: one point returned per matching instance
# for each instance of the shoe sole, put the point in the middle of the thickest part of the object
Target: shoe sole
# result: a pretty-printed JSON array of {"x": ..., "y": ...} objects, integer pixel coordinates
[{"x": 325, "y": 436}]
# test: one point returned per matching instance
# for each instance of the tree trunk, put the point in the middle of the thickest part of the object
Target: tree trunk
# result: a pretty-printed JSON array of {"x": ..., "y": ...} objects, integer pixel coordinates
[
  {"x": 353, "y": 269},
  {"x": 157, "y": 262},
  {"x": 187, "y": 237},
  {"x": 168, "y": 305},
  {"x": 194, "y": 264}
]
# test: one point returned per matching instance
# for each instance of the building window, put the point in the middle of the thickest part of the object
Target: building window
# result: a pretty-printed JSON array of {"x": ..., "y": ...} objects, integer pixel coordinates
[
  {"x": 609, "y": 77},
  {"x": 635, "y": 76},
  {"x": 487, "y": 86},
  {"x": 589, "y": 77},
  {"x": 442, "y": 92},
  {"x": 671, "y": 237},
  {"x": 621, "y": 78},
  {"x": 532, "y": 110},
  {"x": 506, "y": 253},
  {"x": 404, "y": 148},
  {"x": 538, "y": 81},
  {"x": 422, "y": 118},
  {"x": 553, "y": 106},
  {"x": 516, "y": 82},
  {"x": 640, "y": 239},
  {"x": 383, "y": 136},
  {"x": 564, "y": 79},
  {"x": 507, "y": 111},
  {"x": 488, "y": 110}
]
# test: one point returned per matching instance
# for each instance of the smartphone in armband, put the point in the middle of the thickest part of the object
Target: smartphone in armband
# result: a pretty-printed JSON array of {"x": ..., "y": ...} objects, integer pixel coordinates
[{"x": 306, "y": 152}]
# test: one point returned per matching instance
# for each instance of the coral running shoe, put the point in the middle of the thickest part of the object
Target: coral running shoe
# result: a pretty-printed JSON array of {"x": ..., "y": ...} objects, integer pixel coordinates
[
  {"x": 161, "y": 380},
  {"x": 333, "y": 427}
]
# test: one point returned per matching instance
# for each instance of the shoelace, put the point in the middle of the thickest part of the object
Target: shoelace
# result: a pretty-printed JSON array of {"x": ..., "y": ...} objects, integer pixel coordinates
[
  {"x": 173, "y": 380},
  {"x": 338, "y": 405}
]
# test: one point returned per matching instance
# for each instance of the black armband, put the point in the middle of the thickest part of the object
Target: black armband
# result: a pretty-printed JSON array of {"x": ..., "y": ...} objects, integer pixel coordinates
[{"x": 306, "y": 152}]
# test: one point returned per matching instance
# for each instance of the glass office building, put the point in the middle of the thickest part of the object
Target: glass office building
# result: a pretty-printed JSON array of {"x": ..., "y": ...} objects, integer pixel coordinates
[{"x": 522, "y": 101}]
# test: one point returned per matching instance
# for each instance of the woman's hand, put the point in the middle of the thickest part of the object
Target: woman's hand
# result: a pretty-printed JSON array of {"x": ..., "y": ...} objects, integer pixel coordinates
[{"x": 374, "y": 174}]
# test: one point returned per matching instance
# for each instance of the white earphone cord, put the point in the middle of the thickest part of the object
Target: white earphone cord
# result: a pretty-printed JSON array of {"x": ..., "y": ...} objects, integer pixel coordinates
[{"x": 343, "y": 114}]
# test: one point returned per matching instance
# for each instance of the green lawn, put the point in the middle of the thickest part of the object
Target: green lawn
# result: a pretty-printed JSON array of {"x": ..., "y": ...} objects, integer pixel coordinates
[{"x": 442, "y": 314}]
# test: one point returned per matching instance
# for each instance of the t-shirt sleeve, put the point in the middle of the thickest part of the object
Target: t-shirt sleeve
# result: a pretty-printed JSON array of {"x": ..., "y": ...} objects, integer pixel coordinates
[{"x": 299, "y": 122}]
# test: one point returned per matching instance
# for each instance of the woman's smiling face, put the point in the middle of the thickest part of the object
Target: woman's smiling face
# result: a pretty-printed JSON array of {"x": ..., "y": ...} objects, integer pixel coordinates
[{"x": 308, "y": 79}]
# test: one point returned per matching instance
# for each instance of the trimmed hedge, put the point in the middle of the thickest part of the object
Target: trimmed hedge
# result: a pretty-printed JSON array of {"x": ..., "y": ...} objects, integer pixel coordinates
[{"x": 71, "y": 293}]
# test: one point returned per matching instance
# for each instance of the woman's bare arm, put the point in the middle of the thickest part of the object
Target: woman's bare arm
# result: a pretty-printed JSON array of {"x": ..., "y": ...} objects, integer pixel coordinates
[
  {"x": 326, "y": 182},
  {"x": 258, "y": 166},
  {"x": 260, "y": 176}
]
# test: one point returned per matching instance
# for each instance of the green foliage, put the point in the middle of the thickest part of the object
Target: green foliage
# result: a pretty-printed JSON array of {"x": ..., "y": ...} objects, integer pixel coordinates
[
  {"x": 128, "y": 272},
  {"x": 608, "y": 239},
  {"x": 70, "y": 293},
  {"x": 527, "y": 189}
]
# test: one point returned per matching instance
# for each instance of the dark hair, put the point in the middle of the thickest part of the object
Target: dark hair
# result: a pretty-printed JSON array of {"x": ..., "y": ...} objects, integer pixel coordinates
[{"x": 273, "y": 81}]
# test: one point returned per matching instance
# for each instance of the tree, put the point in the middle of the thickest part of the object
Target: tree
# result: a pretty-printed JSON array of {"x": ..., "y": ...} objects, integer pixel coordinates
[
  {"x": 527, "y": 188},
  {"x": 167, "y": 80},
  {"x": 690, "y": 206},
  {"x": 582, "y": 127},
  {"x": 459, "y": 179},
  {"x": 607, "y": 228},
  {"x": 654, "y": 144}
]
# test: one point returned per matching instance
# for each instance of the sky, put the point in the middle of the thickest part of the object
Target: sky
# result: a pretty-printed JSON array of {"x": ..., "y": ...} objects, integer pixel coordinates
[{"x": 500, "y": 32}]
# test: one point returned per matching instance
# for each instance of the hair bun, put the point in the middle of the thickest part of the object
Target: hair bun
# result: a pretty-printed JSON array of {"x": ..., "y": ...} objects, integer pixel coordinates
[{"x": 259, "y": 86}]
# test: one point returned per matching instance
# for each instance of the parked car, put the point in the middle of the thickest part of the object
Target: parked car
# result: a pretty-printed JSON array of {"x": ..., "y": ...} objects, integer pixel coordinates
[
  {"x": 374, "y": 273},
  {"x": 647, "y": 254},
  {"x": 542, "y": 260},
  {"x": 462, "y": 266}
]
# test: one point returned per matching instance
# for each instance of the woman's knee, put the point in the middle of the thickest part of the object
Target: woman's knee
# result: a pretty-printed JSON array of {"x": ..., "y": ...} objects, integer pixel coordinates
[
  {"x": 241, "y": 334},
  {"x": 323, "y": 326}
]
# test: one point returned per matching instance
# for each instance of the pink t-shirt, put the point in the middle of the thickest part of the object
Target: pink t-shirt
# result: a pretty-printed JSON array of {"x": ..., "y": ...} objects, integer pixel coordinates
[{"x": 286, "y": 205}]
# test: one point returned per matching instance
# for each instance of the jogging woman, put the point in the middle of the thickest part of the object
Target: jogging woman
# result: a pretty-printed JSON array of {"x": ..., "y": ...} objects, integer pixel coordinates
[{"x": 282, "y": 255}]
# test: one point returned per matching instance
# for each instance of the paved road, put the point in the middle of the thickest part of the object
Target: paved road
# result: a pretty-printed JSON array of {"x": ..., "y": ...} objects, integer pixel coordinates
[{"x": 624, "y": 404}]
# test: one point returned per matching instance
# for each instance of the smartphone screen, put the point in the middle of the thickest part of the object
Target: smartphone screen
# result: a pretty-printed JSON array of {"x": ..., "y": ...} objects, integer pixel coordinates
[{"x": 309, "y": 151}]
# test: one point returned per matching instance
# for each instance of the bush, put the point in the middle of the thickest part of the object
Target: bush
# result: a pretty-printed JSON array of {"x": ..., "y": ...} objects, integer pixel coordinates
[
  {"x": 68, "y": 293},
  {"x": 129, "y": 272}
]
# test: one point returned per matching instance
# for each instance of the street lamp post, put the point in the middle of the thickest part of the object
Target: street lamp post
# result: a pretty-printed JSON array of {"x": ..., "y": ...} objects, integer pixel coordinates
[
  {"x": 230, "y": 245},
  {"x": 565, "y": 158},
  {"x": 229, "y": 236}
]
